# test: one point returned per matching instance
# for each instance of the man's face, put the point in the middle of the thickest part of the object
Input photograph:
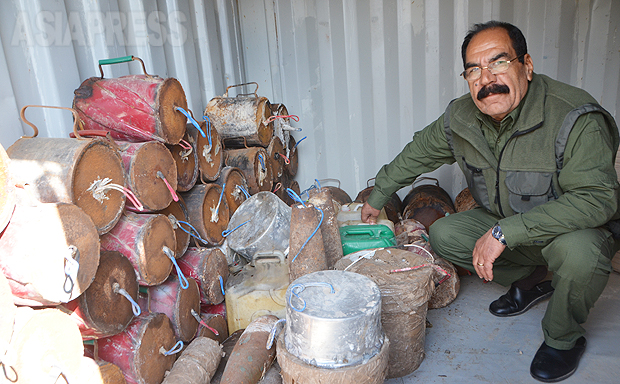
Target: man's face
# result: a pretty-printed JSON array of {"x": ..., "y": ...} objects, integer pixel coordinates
[{"x": 497, "y": 95}]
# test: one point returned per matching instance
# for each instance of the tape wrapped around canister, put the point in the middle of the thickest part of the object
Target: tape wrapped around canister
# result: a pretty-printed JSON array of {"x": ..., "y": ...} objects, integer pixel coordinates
[{"x": 405, "y": 281}]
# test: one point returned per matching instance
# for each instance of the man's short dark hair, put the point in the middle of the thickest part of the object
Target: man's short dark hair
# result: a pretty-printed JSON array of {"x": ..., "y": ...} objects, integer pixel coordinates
[{"x": 517, "y": 38}]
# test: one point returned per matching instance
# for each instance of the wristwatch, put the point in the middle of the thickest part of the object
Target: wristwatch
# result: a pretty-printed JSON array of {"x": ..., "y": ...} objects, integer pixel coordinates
[{"x": 497, "y": 233}]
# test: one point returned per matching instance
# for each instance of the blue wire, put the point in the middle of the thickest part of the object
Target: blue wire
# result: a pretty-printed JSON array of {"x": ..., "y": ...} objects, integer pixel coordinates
[
  {"x": 295, "y": 196},
  {"x": 227, "y": 232},
  {"x": 247, "y": 195},
  {"x": 307, "y": 190},
  {"x": 195, "y": 234},
  {"x": 318, "y": 183},
  {"x": 176, "y": 348},
  {"x": 262, "y": 161},
  {"x": 301, "y": 288},
  {"x": 222, "y": 285},
  {"x": 191, "y": 119},
  {"x": 206, "y": 118},
  {"x": 313, "y": 233},
  {"x": 297, "y": 143}
]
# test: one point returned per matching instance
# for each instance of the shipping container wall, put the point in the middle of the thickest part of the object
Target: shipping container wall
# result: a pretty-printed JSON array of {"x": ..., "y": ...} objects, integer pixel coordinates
[{"x": 362, "y": 75}]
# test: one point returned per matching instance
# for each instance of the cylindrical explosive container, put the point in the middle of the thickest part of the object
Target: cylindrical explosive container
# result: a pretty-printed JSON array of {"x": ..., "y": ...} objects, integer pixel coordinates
[
  {"x": 208, "y": 147},
  {"x": 339, "y": 195},
  {"x": 405, "y": 281},
  {"x": 393, "y": 207},
  {"x": 49, "y": 253},
  {"x": 275, "y": 152},
  {"x": 7, "y": 191},
  {"x": 85, "y": 172},
  {"x": 179, "y": 299},
  {"x": 307, "y": 250},
  {"x": 151, "y": 173},
  {"x": 253, "y": 162},
  {"x": 427, "y": 203},
  {"x": 133, "y": 108},
  {"x": 148, "y": 241},
  {"x": 209, "y": 268},
  {"x": 144, "y": 351},
  {"x": 332, "y": 244},
  {"x": 211, "y": 322},
  {"x": 293, "y": 157},
  {"x": 235, "y": 187},
  {"x": 197, "y": 363},
  {"x": 186, "y": 161},
  {"x": 242, "y": 120},
  {"x": 177, "y": 211},
  {"x": 115, "y": 286},
  {"x": 208, "y": 212}
]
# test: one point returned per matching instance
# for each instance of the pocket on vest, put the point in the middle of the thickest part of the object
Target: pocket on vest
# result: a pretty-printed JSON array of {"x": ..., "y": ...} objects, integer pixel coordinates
[
  {"x": 476, "y": 183},
  {"x": 527, "y": 190}
]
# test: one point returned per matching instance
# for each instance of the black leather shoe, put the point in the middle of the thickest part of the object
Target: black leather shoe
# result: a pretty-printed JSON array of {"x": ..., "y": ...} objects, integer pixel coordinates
[
  {"x": 550, "y": 365},
  {"x": 516, "y": 301}
]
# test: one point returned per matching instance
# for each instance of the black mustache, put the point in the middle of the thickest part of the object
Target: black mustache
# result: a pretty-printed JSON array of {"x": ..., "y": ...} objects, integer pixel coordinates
[{"x": 493, "y": 88}]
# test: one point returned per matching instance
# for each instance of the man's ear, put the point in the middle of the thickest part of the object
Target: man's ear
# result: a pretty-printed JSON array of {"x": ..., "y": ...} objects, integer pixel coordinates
[{"x": 529, "y": 66}]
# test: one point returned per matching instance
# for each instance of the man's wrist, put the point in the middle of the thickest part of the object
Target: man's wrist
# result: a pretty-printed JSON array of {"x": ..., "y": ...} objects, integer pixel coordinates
[{"x": 497, "y": 233}]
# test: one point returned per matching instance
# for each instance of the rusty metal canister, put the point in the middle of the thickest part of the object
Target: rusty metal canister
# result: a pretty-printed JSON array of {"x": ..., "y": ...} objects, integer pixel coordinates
[
  {"x": 148, "y": 241},
  {"x": 177, "y": 213},
  {"x": 151, "y": 173},
  {"x": 186, "y": 161},
  {"x": 133, "y": 108},
  {"x": 208, "y": 212},
  {"x": 208, "y": 146},
  {"x": 86, "y": 172},
  {"x": 235, "y": 187},
  {"x": 393, "y": 207},
  {"x": 242, "y": 120},
  {"x": 293, "y": 157},
  {"x": 464, "y": 201},
  {"x": 286, "y": 182},
  {"x": 180, "y": 301},
  {"x": 307, "y": 252},
  {"x": 114, "y": 281},
  {"x": 209, "y": 268},
  {"x": 7, "y": 191},
  {"x": 338, "y": 194},
  {"x": 275, "y": 152},
  {"x": 255, "y": 166},
  {"x": 211, "y": 322},
  {"x": 322, "y": 198},
  {"x": 49, "y": 253},
  {"x": 427, "y": 203}
]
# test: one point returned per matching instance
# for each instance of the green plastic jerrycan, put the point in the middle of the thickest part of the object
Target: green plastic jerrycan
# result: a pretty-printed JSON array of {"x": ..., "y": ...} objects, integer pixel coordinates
[{"x": 366, "y": 236}]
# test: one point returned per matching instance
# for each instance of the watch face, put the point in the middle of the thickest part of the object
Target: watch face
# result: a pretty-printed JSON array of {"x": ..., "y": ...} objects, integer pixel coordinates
[{"x": 496, "y": 232}]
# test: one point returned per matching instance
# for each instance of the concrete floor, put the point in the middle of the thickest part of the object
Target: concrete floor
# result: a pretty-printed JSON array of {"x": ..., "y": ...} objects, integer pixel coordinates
[{"x": 466, "y": 344}]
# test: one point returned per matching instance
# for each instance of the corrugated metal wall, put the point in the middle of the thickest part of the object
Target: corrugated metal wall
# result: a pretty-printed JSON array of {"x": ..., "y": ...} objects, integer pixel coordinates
[{"x": 363, "y": 76}]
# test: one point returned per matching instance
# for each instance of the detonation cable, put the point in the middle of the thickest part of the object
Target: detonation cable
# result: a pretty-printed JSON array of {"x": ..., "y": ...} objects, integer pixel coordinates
[
  {"x": 188, "y": 150},
  {"x": 273, "y": 118},
  {"x": 262, "y": 162},
  {"x": 194, "y": 234},
  {"x": 227, "y": 232},
  {"x": 72, "y": 266},
  {"x": 422, "y": 248},
  {"x": 296, "y": 197},
  {"x": 172, "y": 192},
  {"x": 100, "y": 186},
  {"x": 277, "y": 187},
  {"x": 175, "y": 349},
  {"x": 215, "y": 211},
  {"x": 297, "y": 143},
  {"x": 206, "y": 118},
  {"x": 247, "y": 195},
  {"x": 191, "y": 119},
  {"x": 286, "y": 159},
  {"x": 296, "y": 289},
  {"x": 446, "y": 274},
  {"x": 274, "y": 332},
  {"x": 182, "y": 279},
  {"x": 201, "y": 322},
  {"x": 134, "y": 306},
  {"x": 222, "y": 285}
]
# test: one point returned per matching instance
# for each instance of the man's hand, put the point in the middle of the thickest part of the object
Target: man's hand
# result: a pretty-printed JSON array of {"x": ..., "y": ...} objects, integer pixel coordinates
[
  {"x": 369, "y": 214},
  {"x": 485, "y": 252}
]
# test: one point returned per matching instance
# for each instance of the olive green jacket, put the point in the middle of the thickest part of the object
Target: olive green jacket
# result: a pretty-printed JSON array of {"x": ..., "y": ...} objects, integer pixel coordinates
[{"x": 514, "y": 169}]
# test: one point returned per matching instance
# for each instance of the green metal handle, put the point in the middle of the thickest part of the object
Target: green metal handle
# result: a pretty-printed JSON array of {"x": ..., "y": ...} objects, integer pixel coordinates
[{"x": 119, "y": 60}]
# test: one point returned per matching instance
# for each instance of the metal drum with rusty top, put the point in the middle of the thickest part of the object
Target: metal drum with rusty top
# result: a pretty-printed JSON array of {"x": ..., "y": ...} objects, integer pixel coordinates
[
  {"x": 208, "y": 266},
  {"x": 242, "y": 120},
  {"x": 180, "y": 301},
  {"x": 255, "y": 166},
  {"x": 49, "y": 253},
  {"x": 186, "y": 161},
  {"x": 148, "y": 241},
  {"x": 275, "y": 152},
  {"x": 177, "y": 211},
  {"x": 115, "y": 286},
  {"x": 427, "y": 203},
  {"x": 133, "y": 108},
  {"x": 338, "y": 194},
  {"x": 151, "y": 173},
  {"x": 293, "y": 157},
  {"x": 86, "y": 172},
  {"x": 208, "y": 212},
  {"x": 208, "y": 146},
  {"x": 393, "y": 207},
  {"x": 235, "y": 187}
]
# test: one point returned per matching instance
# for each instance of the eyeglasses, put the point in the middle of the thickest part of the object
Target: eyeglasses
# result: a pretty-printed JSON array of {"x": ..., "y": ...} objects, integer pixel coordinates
[{"x": 496, "y": 67}]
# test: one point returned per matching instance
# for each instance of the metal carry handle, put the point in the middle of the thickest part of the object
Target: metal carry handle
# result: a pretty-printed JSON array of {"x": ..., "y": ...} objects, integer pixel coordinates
[
  {"x": 241, "y": 85},
  {"x": 119, "y": 60},
  {"x": 97, "y": 133},
  {"x": 76, "y": 120},
  {"x": 266, "y": 257},
  {"x": 368, "y": 182},
  {"x": 334, "y": 180}
]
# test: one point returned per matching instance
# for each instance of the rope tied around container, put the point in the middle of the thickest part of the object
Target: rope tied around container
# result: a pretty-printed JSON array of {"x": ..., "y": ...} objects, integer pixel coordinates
[
  {"x": 100, "y": 186},
  {"x": 72, "y": 266},
  {"x": 194, "y": 234},
  {"x": 296, "y": 289},
  {"x": 116, "y": 288},
  {"x": 191, "y": 119},
  {"x": 201, "y": 322},
  {"x": 296, "y": 197},
  {"x": 227, "y": 232},
  {"x": 222, "y": 285},
  {"x": 274, "y": 332},
  {"x": 216, "y": 210},
  {"x": 172, "y": 191},
  {"x": 175, "y": 349},
  {"x": 182, "y": 279}
]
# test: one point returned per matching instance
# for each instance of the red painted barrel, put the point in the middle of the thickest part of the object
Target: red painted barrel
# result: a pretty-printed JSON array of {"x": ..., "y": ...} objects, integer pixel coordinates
[
  {"x": 215, "y": 322},
  {"x": 179, "y": 304},
  {"x": 133, "y": 108},
  {"x": 218, "y": 309},
  {"x": 144, "y": 239},
  {"x": 186, "y": 161},
  {"x": 82, "y": 173},
  {"x": 139, "y": 350},
  {"x": 210, "y": 152},
  {"x": 207, "y": 212},
  {"x": 255, "y": 166},
  {"x": 7, "y": 192},
  {"x": 147, "y": 165},
  {"x": 234, "y": 180},
  {"x": 177, "y": 211},
  {"x": 207, "y": 266},
  {"x": 49, "y": 253},
  {"x": 92, "y": 310}
]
